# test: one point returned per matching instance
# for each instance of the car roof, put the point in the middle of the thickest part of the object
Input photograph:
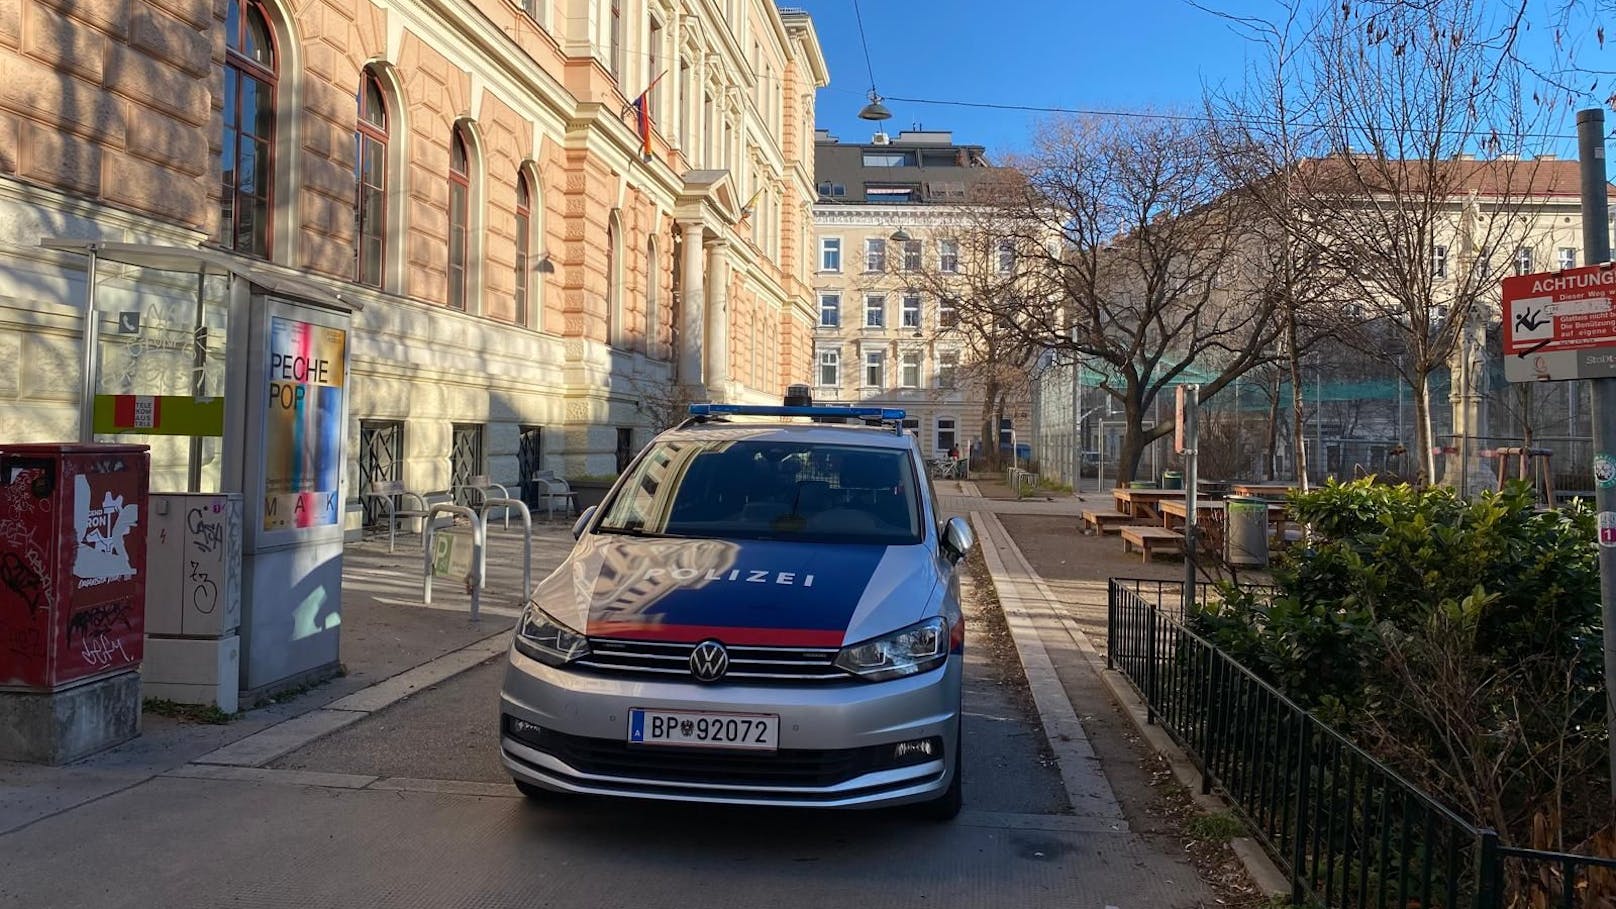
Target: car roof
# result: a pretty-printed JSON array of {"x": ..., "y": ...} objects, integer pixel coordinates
[{"x": 805, "y": 433}]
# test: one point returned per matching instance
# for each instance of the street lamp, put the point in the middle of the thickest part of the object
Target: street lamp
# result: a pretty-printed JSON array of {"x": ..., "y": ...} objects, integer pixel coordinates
[
  {"x": 875, "y": 110},
  {"x": 900, "y": 236}
]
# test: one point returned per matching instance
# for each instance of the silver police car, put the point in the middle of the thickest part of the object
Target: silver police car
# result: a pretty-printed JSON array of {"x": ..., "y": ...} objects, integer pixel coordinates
[{"x": 761, "y": 612}]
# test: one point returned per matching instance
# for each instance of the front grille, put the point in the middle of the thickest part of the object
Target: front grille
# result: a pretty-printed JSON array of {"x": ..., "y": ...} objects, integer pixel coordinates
[
  {"x": 795, "y": 767},
  {"x": 760, "y": 664}
]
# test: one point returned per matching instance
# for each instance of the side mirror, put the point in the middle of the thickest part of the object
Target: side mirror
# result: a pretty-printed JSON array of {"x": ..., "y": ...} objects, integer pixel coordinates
[
  {"x": 958, "y": 538},
  {"x": 582, "y": 522}
]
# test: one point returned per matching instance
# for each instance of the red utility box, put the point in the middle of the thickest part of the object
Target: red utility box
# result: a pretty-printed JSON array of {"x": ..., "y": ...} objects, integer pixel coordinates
[{"x": 72, "y": 562}]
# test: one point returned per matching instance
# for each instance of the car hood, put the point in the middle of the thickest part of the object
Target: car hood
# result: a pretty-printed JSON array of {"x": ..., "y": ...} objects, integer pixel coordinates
[{"x": 745, "y": 592}]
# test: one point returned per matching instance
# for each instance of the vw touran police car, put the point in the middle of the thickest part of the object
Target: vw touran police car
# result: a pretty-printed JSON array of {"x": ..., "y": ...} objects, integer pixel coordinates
[{"x": 761, "y": 613}]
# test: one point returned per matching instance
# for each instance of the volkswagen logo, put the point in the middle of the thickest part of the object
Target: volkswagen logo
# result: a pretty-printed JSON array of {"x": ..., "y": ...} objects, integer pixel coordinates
[{"x": 709, "y": 661}]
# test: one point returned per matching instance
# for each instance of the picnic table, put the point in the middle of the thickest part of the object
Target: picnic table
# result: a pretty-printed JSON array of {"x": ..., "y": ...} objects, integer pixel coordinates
[
  {"x": 1210, "y": 519},
  {"x": 1263, "y": 490},
  {"x": 1144, "y": 503}
]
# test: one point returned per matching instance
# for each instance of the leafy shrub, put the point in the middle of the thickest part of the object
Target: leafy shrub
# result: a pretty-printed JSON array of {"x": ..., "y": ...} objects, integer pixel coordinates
[{"x": 1459, "y": 640}]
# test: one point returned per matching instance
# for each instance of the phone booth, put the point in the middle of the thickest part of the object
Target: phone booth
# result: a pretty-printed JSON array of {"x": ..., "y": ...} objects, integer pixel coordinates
[{"x": 236, "y": 376}]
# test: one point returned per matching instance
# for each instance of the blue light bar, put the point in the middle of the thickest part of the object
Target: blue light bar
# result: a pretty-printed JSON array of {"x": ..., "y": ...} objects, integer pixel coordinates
[{"x": 756, "y": 410}]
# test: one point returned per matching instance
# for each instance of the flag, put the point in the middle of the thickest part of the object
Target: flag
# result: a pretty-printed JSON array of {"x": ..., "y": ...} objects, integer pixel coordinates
[
  {"x": 642, "y": 124},
  {"x": 642, "y": 116},
  {"x": 746, "y": 210}
]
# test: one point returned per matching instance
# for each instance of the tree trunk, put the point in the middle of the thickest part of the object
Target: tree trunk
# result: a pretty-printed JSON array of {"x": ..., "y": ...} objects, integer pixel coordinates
[
  {"x": 1424, "y": 439},
  {"x": 1298, "y": 399},
  {"x": 1133, "y": 445},
  {"x": 1273, "y": 432},
  {"x": 990, "y": 430}
]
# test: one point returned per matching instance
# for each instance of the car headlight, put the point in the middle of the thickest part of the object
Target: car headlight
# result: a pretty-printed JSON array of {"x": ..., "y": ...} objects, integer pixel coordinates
[
  {"x": 541, "y": 637},
  {"x": 907, "y": 651}
]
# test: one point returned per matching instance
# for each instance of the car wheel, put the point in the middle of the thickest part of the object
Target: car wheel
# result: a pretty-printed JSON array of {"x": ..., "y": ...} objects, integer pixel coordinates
[
  {"x": 947, "y": 806},
  {"x": 536, "y": 793}
]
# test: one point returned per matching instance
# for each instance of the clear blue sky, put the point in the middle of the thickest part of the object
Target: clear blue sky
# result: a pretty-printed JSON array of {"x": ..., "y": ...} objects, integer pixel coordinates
[{"x": 1089, "y": 54}]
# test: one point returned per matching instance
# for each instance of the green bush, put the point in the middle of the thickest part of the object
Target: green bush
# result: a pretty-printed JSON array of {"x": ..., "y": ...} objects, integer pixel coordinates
[{"x": 1445, "y": 635}]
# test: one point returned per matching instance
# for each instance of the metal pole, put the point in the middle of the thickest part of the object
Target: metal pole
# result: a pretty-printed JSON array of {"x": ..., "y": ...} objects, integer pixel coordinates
[
  {"x": 199, "y": 377},
  {"x": 1596, "y": 242},
  {"x": 92, "y": 353},
  {"x": 1318, "y": 425},
  {"x": 1192, "y": 403},
  {"x": 1077, "y": 423}
]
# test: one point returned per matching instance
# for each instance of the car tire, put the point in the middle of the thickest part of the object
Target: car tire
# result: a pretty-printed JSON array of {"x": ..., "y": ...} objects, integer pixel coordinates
[{"x": 947, "y": 806}]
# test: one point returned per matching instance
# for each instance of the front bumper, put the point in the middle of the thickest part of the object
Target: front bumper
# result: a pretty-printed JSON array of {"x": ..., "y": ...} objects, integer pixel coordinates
[{"x": 567, "y": 731}]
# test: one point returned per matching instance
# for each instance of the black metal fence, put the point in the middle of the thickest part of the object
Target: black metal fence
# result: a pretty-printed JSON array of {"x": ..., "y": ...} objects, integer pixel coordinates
[{"x": 1349, "y": 831}]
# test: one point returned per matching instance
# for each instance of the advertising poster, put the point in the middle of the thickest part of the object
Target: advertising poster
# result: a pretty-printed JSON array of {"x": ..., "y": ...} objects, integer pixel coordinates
[{"x": 303, "y": 430}]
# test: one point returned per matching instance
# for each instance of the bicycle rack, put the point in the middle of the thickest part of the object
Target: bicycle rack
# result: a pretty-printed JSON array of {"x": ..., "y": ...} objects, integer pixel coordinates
[
  {"x": 527, "y": 539},
  {"x": 479, "y": 558}
]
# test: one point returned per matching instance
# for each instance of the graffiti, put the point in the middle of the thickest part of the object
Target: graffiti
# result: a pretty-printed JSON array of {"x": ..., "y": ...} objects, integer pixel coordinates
[
  {"x": 98, "y": 620},
  {"x": 26, "y": 641},
  {"x": 101, "y": 651},
  {"x": 28, "y": 492},
  {"x": 205, "y": 595},
  {"x": 205, "y": 535},
  {"x": 25, "y": 581},
  {"x": 153, "y": 356},
  {"x": 111, "y": 464}
]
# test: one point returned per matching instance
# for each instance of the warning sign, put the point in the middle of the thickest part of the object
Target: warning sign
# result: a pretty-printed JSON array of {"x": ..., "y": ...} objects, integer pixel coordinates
[{"x": 1549, "y": 316}]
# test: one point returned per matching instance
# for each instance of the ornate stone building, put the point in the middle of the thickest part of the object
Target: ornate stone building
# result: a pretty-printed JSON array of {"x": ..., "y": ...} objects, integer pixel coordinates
[{"x": 535, "y": 244}]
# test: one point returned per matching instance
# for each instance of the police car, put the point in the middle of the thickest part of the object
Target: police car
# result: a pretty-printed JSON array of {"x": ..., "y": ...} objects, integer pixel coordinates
[{"x": 760, "y": 612}]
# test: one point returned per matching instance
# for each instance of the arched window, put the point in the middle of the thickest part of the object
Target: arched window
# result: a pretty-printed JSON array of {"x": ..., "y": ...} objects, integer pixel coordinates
[
  {"x": 524, "y": 241},
  {"x": 614, "y": 282},
  {"x": 246, "y": 162},
  {"x": 653, "y": 314},
  {"x": 370, "y": 177},
  {"x": 459, "y": 218}
]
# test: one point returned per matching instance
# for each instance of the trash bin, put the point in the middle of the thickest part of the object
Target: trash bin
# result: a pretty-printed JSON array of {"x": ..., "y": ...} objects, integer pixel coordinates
[
  {"x": 1245, "y": 535},
  {"x": 1172, "y": 479},
  {"x": 74, "y": 599}
]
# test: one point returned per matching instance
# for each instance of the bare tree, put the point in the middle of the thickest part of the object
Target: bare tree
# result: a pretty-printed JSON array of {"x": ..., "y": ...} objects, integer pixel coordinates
[
  {"x": 976, "y": 298},
  {"x": 1141, "y": 282},
  {"x": 1414, "y": 225},
  {"x": 664, "y": 405},
  {"x": 1264, "y": 132}
]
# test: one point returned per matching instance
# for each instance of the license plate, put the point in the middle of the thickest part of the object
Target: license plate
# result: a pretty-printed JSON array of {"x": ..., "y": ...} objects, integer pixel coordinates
[{"x": 752, "y": 731}]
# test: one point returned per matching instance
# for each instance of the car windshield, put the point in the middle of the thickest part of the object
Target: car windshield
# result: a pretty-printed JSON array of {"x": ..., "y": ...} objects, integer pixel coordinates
[{"x": 761, "y": 489}]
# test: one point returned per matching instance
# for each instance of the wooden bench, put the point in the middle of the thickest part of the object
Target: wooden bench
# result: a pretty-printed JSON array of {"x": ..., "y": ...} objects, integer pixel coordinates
[
  {"x": 1104, "y": 521},
  {"x": 1147, "y": 539}
]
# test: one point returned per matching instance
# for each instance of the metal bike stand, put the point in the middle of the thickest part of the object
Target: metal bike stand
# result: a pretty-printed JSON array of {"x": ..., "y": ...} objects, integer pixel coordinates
[
  {"x": 527, "y": 539},
  {"x": 474, "y": 580}
]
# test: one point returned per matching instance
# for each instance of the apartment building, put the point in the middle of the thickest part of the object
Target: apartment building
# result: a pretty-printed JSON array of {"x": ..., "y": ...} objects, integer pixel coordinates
[{"x": 888, "y": 230}]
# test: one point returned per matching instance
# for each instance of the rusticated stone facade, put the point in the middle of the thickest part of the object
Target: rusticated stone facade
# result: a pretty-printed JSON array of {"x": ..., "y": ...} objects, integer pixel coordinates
[{"x": 115, "y": 123}]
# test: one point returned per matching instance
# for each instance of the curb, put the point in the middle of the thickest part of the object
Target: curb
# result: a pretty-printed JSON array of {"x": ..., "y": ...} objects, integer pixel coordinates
[
  {"x": 289, "y": 735},
  {"x": 1087, "y": 789},
  {"x": 1264, "y": 873}
]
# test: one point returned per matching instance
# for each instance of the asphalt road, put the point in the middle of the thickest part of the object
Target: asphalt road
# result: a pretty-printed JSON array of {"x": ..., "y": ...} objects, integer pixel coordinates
[
  {"x": 448, "y": 733},
  {"x": 410, "y": 808}
]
